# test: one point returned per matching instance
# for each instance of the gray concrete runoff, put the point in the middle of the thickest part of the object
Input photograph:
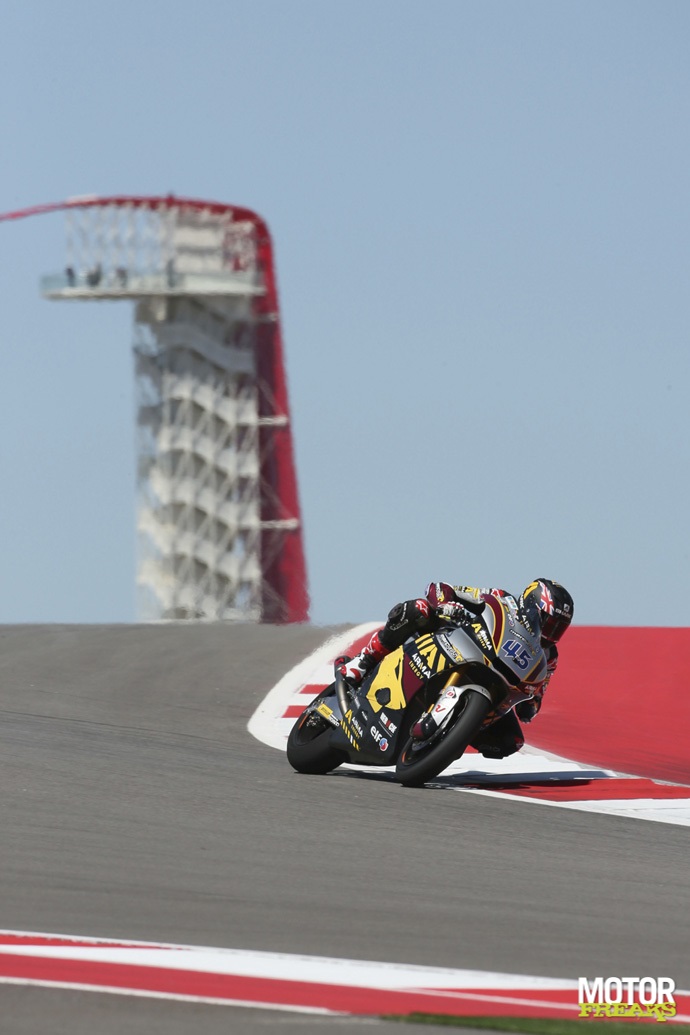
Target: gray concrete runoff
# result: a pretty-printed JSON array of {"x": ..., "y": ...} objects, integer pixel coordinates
[{"x": 136, "y": 805}]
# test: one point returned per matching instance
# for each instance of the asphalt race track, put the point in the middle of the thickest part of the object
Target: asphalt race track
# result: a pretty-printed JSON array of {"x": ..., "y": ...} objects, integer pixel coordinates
[{"x": 136, "y": 805}]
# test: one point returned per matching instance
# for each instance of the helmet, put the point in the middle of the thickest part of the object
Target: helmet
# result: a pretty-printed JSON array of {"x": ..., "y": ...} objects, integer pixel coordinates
[{"x": 554, "y": 604}]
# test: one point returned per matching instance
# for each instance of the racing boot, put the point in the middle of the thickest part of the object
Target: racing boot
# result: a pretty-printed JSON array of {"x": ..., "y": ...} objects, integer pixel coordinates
[
  {"x": 501, "y": 739},
  {"x": 355, "y": 669}
]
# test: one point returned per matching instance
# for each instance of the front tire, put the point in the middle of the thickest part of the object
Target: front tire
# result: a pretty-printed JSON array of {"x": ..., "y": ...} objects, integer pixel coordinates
[
  {"x": 420, "y": 762},
  {"x": 309, "y": 745}
]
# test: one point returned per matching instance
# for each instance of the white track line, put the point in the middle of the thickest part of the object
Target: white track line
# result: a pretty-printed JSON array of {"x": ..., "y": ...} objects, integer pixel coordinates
[{"x": 275, "y": 980}]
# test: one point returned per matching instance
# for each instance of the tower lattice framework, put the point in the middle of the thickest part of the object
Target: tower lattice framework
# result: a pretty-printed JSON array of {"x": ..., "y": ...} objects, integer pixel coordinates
[{"x": 219, "y": 525}]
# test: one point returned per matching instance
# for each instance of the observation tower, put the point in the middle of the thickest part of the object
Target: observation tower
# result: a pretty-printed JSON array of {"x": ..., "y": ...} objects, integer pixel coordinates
[{"x": 219, "y": 525}]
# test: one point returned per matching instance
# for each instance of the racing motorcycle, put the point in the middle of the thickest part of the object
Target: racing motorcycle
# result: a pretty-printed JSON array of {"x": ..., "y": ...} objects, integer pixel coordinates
[{"x": 469, "y": 673}]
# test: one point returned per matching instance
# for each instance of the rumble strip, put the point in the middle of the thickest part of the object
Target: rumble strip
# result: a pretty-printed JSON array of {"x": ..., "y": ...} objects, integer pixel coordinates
[{"x": 272, "y": 980}]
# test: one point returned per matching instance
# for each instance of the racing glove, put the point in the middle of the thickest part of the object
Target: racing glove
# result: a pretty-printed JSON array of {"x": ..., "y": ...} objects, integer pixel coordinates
[{"x": 454, "y": 611}]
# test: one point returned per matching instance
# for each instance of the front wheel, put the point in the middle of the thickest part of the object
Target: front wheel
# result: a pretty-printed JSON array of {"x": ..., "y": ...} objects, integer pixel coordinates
[
  {"x": 309, "y": 745},
  {"x": 423, "y": 761}
]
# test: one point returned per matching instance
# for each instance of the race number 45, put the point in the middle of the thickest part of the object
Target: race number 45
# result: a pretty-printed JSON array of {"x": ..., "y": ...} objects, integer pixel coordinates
[{"x": 519, "y": 654}]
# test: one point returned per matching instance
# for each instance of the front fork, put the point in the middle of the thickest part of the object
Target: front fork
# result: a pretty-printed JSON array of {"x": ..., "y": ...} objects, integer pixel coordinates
[{"x": 441, "y": 708}]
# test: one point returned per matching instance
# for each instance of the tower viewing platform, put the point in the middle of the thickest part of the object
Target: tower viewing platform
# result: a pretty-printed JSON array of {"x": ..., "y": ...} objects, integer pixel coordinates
[{"x": 219, "y": 523}]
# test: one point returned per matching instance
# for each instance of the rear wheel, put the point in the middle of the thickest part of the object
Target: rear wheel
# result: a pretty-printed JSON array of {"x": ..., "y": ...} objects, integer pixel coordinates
[
  {"x": 309, "y": 745},
  {"x": 422, "y": 761}
]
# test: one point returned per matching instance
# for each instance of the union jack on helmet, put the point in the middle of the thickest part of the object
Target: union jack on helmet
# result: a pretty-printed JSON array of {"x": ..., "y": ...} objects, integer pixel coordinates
[{"x": 554, "y": 605}]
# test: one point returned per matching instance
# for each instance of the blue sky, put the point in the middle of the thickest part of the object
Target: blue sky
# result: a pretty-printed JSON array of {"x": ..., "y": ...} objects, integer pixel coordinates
[{"x": 480, "y": 217}]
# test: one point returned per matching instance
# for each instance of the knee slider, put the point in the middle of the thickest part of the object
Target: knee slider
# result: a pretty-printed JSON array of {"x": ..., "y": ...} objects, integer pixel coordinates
[
  {"x": 403, "y": 621},
  {"x": 396, "y": 616},
  {"x": 408, "y": 614}
]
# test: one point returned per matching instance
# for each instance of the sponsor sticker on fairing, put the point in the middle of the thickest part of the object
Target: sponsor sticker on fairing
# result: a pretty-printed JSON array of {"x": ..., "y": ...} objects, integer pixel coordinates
[
  {"x": 631, "y": 998},
  {"x": 418, "y": 666},
  {"x": 327, "y": 713},
  {"x": 390, "y": 726},
  {"x": 449, "y": 648}
]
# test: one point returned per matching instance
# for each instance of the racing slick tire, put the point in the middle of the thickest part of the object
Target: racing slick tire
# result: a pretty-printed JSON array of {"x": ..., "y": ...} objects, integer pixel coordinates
[
  {"x": 309, "y": 747},
  {"x": 421, "y": 761}
]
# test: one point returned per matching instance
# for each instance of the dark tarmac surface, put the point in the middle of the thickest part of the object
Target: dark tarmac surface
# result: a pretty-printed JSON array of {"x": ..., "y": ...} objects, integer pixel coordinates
[
  {"x": 76, "y": 1013},
  {"x": 136, "y": 805}
]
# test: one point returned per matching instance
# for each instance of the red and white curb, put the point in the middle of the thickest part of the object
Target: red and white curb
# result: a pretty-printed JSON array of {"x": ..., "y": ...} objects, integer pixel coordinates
[
  {"x": 530, "y": 776},
  {"x": 272, "y": 980}
]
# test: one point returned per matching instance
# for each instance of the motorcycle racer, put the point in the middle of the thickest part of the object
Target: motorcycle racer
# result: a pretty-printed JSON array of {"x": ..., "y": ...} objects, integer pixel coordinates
[{"x": 544, "y": 606}]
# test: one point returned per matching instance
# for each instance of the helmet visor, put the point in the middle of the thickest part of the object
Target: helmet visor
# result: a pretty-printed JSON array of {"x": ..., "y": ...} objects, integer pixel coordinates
[{"x": 553, "y": 627}]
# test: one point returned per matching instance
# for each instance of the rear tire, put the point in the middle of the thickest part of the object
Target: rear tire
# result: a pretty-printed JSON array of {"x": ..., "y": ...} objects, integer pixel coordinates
[
  {"x": 309, "y": 745},
  {"x": 419, "y": 763}
]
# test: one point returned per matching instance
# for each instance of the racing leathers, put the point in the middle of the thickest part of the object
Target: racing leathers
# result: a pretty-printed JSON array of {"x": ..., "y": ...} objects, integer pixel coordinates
[{"x": 443, "y": 602}]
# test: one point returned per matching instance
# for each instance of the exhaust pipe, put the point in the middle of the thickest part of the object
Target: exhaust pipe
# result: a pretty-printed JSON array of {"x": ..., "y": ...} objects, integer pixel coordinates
[{"x": 341, "y": 692}]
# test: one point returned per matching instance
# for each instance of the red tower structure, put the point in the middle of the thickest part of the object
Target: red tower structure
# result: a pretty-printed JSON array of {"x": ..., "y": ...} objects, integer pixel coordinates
[{"x": 220, "y": 528}]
